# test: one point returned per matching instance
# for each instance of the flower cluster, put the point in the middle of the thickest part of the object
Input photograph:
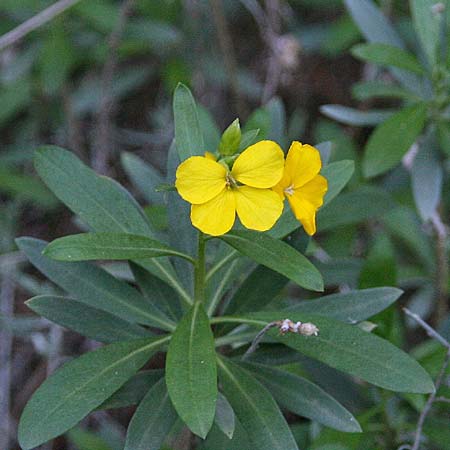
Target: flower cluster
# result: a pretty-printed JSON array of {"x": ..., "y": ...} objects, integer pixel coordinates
[
  {"x": 303, "y": 328},
  {"x": 253, "y": 185}
]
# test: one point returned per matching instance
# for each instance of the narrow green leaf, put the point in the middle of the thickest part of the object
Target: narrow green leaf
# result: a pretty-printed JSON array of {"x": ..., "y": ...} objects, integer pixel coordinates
[
  {"x": 257, "y": 290},
  {"x": 427, "y": 24},
  {"x": 84, "y": 319},
  {"x": 276, "y": 255},
  {"x": 406, "y": 227},
  {"x": 351, "y": 306},
  {"x": 366, "y": 90},
  {"x": 143, "y": 176},
  {"x": 354, "y": 207},
  {"x": 210, "y": 130},
  {"x": 188, "y": 135},
  {"x": 277, "y": 114},
  {"x": 338, "y": 174},
  {"x": 100, "y": 202},
  {"x": 352, "y": 116},
  {"x": 95, "y": 287},
  {"x": 182, "y": 234},
  {"x": 372, "y": 23},
  {"x": 354, "y": 351},
  {"x": 224, "y": 418},
  {"x": 375, "y": 27},
  {"x": 255, "y": 408},
  {"x": 248, "y": 138},
  {"x": 325, "y": 149},
  {"x": 304, "y": 398},
  {"x": 191, "y": 372},
  {"x": 157, "y": 293},
  {"x": 134, "y": 390},
  {"x": 427, "y": 178},
  {"x": 115, "y": 246},
  {"x": 231, "y": 139},
  {"x": 392, "y": 139},
  {"x": 152, "y": 420},
  {"x": 387, "y": 55},
  {"x": 79, "y": 386}
]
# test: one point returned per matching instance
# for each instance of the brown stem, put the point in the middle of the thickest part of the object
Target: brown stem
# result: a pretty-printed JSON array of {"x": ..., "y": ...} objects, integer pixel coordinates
[
  {"x": 35, "y": 22},
  {"x": 442, "y": 270},
  {"x": 229, "y": 57},
  {"x": 103, "y": 144}
]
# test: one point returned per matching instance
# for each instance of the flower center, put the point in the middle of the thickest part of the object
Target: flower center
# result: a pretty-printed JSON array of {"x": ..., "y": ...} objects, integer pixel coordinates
[
  {"x": 231, "y": 182},
  {"x": 289, "y": 190}
]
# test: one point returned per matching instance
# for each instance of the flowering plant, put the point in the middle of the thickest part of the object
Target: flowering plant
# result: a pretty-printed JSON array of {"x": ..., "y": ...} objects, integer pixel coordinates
[{"x": 206, "y": 292}]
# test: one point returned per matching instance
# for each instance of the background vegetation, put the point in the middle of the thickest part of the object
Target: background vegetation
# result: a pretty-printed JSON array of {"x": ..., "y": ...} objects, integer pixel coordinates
[{"x": 98, "y": 79}]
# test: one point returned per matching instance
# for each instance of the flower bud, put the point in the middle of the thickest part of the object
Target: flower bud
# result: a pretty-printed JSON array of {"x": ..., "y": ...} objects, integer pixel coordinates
[
  {"x": 231, "y": 139},
  {"x": 308, "y": 329}
]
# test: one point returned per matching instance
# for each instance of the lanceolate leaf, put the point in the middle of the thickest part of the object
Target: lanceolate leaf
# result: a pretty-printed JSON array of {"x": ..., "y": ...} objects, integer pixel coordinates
[
  {"x": 255, "y": 408},
  {"x": 427, "y": 177},
  {"x": 143, "y": 176},
  {"x": 188, "y": 135},
  {"x": 157, "y": 292},
  {"x": 277, "y": 256},
  {"x": 81, "y": 385},
  {"x": 392, "y": 139},
  {"x": 87, "y": 246},
  {"x": 134, "y": 390},
  {"x": 152, "y": 420},
  {"x": 427, "y": 25},
  {"x": 224, "y": 418},
  {"x": 354, "y": 351},
  {"x": 95, "y": 287},
  {"x": 354, "y": 207},
  {"x": 84, "y": 319},
  {"x": 351, "y": 306},
  {"x": 387, "y": 55},
  {"x": 338, "y": 174},
  {"x": 258, "y": 289},
  {"x": 191, "y": 372},
  {"x": 100, "y": 202},
  {"x": 304, "y": 398},
  {"x": 351, "y": 116},
  {"x": 375, "y": 27}
]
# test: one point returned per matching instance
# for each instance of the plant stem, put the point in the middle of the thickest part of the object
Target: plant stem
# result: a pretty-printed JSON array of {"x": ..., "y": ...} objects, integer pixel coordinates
[
  {"x": 200, "y": 270},
  {"x": 35, "y": 22}
]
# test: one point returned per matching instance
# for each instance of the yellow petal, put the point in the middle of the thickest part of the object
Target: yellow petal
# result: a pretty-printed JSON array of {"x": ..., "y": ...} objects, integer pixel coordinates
[
  {"x": 306, "y": 200},
  {"x": 199, "y": 179},
  {"x": 260, "y": 165},
  {"x": 302, "y": 164},
  {"x": 216, "y": 216},
  {"x": 209, "y": 155},
  {"x": 258, "y": 209}
]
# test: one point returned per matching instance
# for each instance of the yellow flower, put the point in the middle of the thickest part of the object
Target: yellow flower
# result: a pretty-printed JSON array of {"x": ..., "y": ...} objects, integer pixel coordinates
[
  {"x": 217, "y": 193},
  {"x": 302, "y": 185}
]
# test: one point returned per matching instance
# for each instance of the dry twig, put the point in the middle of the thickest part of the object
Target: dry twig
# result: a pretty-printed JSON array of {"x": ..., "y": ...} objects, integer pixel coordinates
[
  {"x": 229, "y": 57},
  {"x": 440, "y": 378},
  {"x": 35, "y": 22},
  {"x": 103, "y": 144}
]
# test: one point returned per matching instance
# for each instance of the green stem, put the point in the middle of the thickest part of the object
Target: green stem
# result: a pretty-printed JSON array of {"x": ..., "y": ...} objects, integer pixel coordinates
[
  {"x": 220, "y": 289},
  {"x": 243, "y": 320},
  {"x": 229, "y": 257},
  {"x": 199, "y": 280}
]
